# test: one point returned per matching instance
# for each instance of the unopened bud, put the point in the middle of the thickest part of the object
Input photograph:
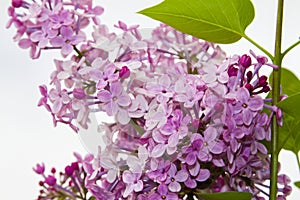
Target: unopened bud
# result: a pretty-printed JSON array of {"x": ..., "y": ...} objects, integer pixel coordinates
[
  {"x": 245, "y": 61},
  {"x": 124, "y": 72}
]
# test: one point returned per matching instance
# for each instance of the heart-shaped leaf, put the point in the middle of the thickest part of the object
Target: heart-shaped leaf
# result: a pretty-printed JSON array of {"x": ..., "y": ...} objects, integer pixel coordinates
[
  {"x": 289, "y": 137},
  {"x": 219, "y": 21},
  {"x": 289, "y": 82},
  {"x": 225, "y": 196},
  {"x": 291, "y": 106}
]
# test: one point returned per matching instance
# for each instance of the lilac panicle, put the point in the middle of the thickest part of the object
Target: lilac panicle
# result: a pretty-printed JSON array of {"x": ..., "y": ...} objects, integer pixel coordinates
[{"x": 185, "y": 115}]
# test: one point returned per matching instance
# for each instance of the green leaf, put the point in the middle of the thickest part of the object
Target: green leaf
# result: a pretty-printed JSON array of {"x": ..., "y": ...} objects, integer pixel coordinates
[
  {"x": 289, "y": 82},
  {"x": 291, "y": 106},
  {"x": 225, "y": 196},
  {"x": 219, "y": 21},
  {"x": 289, "y": 137},
  {"x": 297, "y": 184}
]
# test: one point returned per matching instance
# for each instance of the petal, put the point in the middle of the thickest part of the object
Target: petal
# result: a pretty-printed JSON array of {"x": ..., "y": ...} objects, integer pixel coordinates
[
  {"x": 123, "y": 100},
  {"x": 204, "y": 174},
  {"x": 104, "y": 96},
  {"x": 174, "y": 187},
  {"x": 57, "y": 41},
  {"x": 36, "y": 36},
  {"x": 256, "y": 104},
  {"x": 66, "y": 32},
  {"x": 57, "y": 105},
  {"x": 223, "y": 77},
  {"x": 181, "y": 176},
  {"x": 247, "y": 117},
  {"x": 243, "y": 95},
  {"x": 162, "y": 189},
  {"x": 190, "y": 183},
  {"x": 128, "y": 190},
  {"x": 194, "y": 170},
  {"x": 123, "y": 117},
  {"x": 128, "y": 177},
  {"x": 173, "y": 140},
  {"x": 66, "y": 49},
  {"x": 24, "y": 43},
  {"x": 116, "y": 89},
  {"x": 158, "y": 150},
  {"x": 216, "y": 147},
  {"x": 191, "y": 158},
  {"x": 154, "y": 197},
  {"x": 209, "y": 78},
  {"x": 138, "y": 186},
  {"x": 111, "y": 175},
  {"x": 210, "y": 134}
]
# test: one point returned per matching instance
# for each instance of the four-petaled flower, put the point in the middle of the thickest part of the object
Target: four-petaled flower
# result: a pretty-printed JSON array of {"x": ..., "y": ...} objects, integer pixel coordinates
[{"x": 115, "y": 100}]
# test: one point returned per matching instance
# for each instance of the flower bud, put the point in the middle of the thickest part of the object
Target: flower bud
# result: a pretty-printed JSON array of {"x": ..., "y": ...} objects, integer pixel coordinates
[
  {"x": 79, "y": 93},
  {"x": 232, "y": 71},
  {"x": 124, "y": 72},
  {"x": 245, "y": 61},
  {"x": 39, "y": 169},
  {"x": 69, "y": 170},
  {"x": 17, "y": 3},
  {"x": 50, "y": 180}
]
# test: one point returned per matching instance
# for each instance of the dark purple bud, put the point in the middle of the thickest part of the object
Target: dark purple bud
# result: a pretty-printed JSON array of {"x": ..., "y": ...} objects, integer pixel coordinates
[
  {"x": 266, "y": 89},
  {"x": 50, "y": 180},
  {"x": 17, "y": 3},
  {"x": 75, "y": 166},
  {"x": 79, "y": 93},
  {"x": 249, "y": 87},
  {"x": 245, "y": 61},
  {"x": 53, "y": 170},
  {"x": 124, "y": 72},
  {"x": 41, "y": 183},
  {"x": 262, "y": 80},
  {"x": 232, "y": 71},
  {"x": 39, "y": 169},
  {"x": 249, "y": 76},
  {"x": 70, "y": 183},
  {"x": 69, "y": 170}
]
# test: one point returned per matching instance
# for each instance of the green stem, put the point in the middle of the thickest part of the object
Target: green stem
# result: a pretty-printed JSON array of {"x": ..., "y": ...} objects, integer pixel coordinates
[
  {"x": 276, "y": 97},
  {"x": 259, "y": 47},
  {"x": 298, "y": 161},
  {"x": 290, "y": 48}
]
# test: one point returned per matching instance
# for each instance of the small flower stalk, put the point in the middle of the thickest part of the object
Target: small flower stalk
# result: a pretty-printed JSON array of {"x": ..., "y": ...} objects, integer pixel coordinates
[{"x": 187, "y": 118}]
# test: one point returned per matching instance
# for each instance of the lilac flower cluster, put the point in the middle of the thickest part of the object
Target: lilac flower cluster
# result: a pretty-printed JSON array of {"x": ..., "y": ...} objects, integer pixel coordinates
[
  {"x": 188, "y": 119},
  {"x": 53, "y": 24},
  {"x": 68, "y": 184}
]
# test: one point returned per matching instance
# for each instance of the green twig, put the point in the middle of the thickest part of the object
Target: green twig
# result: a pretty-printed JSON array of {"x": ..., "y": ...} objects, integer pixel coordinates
[
  {"x": 276, "y": 98},
  {"x": 298, "y": 161},
  {"x": 259, "y": 47},
  {"x": 290, "y": 48}
]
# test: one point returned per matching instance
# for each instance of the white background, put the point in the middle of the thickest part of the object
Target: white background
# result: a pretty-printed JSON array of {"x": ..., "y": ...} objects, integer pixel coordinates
[{"x": 27, "y": 133}]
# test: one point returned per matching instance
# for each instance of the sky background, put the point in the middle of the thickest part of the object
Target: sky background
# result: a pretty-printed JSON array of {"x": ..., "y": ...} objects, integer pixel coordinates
[{"x": 27, "y": 133}]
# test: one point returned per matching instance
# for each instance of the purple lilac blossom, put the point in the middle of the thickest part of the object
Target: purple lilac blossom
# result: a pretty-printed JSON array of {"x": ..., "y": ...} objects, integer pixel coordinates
[{"x": 185, "y": 115}]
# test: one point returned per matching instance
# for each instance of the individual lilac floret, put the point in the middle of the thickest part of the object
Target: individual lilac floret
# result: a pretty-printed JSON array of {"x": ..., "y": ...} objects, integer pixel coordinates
[
  {"x": 246, "y": 107},
  {"x": 163, "y": 194},
  {"x": 39, "y": 169},
  {"x": 115, "y": 101},
  {"x": 175, "y": 177},
  {"x": 66, "y": 40}
]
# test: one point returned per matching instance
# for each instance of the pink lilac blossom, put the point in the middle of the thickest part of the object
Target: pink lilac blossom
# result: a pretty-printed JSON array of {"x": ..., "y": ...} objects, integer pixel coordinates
[{"x": 185, "y": 115}]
